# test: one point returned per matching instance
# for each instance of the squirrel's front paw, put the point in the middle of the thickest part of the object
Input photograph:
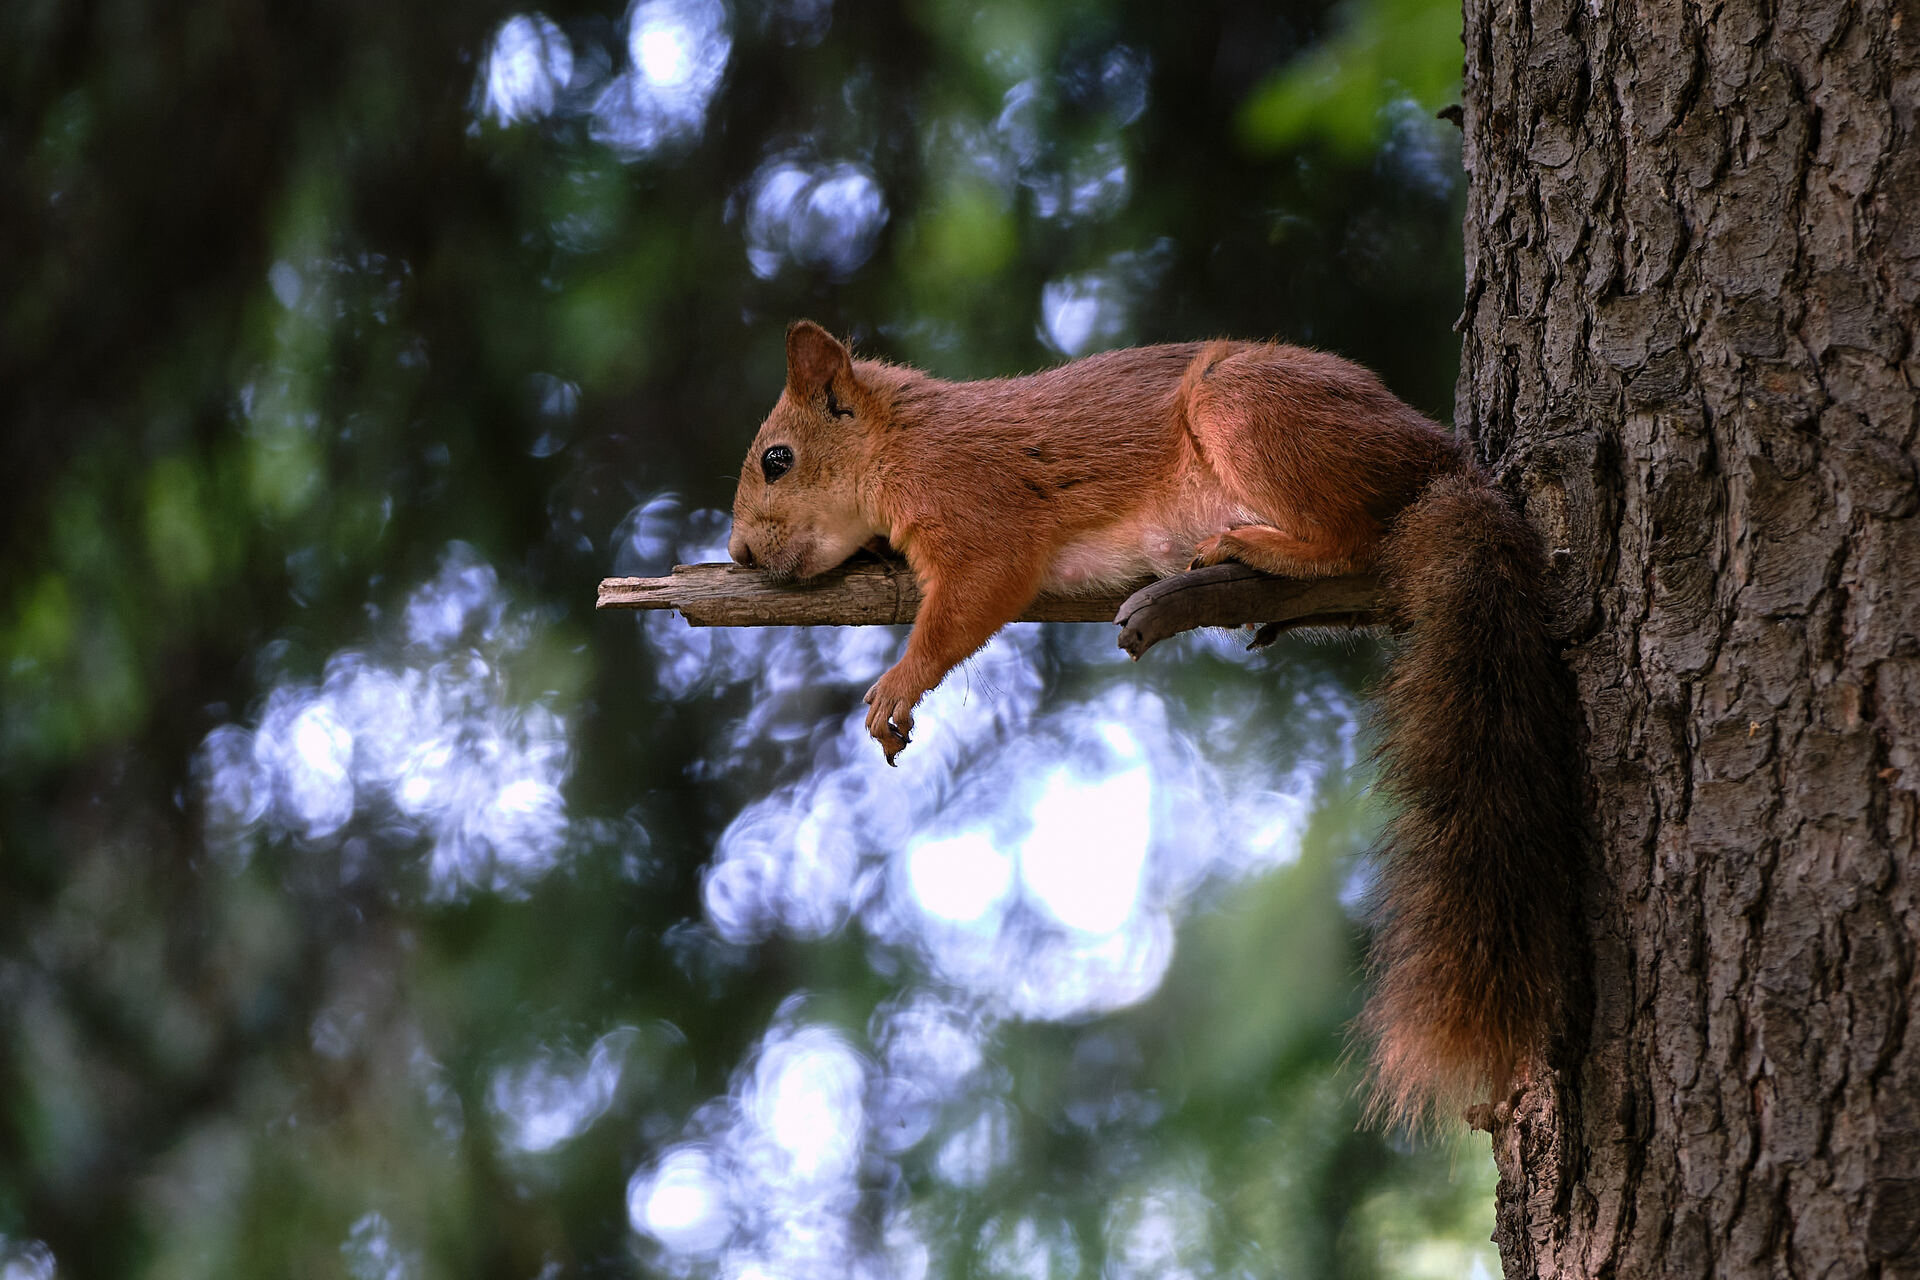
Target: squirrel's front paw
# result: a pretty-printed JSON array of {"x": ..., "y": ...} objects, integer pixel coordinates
[{"x": 890, "y": 717}]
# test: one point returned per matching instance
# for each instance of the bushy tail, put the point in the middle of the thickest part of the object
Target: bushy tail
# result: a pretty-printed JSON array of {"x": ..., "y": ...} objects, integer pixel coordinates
[{"x": 1476, "y": 940}]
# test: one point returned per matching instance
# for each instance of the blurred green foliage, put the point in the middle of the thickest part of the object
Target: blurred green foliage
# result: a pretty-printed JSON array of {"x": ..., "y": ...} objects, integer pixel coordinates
[
  {"x": 1380, "y": 53},
  {"x": 334, "y": 385}
]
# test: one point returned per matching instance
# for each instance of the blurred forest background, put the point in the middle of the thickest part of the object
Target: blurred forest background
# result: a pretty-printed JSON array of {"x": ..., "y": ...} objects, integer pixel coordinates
[{"x": 370, "y": 907}]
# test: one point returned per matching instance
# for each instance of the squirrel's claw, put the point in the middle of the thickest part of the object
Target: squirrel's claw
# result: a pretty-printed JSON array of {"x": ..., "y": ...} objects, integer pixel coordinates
[
  {"x": 889, "y": 722},
  {"x": 1215, "y": 550}
]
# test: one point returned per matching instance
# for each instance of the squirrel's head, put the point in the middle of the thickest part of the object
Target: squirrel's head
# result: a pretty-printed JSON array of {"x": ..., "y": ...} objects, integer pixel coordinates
[{"x": 797, "y": 511}]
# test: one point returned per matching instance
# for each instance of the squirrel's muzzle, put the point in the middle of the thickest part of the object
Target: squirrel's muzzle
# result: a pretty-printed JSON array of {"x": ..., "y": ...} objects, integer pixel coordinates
[{"x": 742, "y": 553}]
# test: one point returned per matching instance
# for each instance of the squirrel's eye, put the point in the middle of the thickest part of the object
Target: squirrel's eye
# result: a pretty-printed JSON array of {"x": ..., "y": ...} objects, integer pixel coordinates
[{"x": 776, "y": 462}]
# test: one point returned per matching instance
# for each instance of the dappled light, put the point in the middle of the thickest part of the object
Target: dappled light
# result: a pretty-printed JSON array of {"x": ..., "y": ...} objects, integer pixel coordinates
[
  {"x": 374, "y": 907},
  {"x": 530, "y": 66},
  {"x": 426, "y": 747},
  {"x": 649, "y": 90},
  {"x": 677, "y": 51},
  {"x": 825, "y": 217},
  {"x": 372, "y": 1253},
  {"x": 1164, "y": 1229},
  {"x": 1083, "y": 857},
  {"x": 542, "y": 1103},
  {"x": 1068, "y": 182},
  {"x": 1094, "y": 310},
  {"x": 25, "y": 1260},
  {"x": 681, "y": 1201},
  {"x": 772, "y": 1181}
]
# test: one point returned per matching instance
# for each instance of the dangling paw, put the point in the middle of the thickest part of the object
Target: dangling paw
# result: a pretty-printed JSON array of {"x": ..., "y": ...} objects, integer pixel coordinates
[{"x": 890, "y": 716}]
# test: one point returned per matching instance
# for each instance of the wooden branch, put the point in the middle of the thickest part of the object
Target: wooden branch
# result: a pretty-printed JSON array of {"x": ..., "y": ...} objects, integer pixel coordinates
[
  {"x": 862, "y": 592},
  {"x": 877, "y": 592},
  {"x": 1232, "y": 595}
]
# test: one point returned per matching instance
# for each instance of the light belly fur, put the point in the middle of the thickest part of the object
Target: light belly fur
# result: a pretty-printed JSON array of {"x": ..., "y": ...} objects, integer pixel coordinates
[{"x": 1151, "y": 541}]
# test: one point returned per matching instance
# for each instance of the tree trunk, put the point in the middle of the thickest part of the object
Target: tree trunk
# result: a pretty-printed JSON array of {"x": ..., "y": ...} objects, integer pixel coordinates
[{"x": 1693, "y": 257}]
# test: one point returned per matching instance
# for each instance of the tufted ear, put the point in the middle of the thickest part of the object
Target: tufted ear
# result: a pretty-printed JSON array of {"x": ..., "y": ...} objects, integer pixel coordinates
[{"x": 814, "y": 359}]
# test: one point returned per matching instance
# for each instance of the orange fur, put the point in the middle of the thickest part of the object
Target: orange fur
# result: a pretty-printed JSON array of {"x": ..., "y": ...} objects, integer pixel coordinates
[{"x": 1289, "y": 460}]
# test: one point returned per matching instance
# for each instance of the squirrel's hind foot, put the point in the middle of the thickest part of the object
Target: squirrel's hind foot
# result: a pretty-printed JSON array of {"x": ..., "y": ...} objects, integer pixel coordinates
[{"x": 1271, "y": 550}]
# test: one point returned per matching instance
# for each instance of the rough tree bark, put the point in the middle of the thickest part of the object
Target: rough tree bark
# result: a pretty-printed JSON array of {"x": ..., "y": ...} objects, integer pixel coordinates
[{"x": 1693, "y": 259}]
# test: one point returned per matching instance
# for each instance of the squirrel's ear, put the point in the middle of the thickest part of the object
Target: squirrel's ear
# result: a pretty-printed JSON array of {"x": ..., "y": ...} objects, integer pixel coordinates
[{"x": 814, "y": 358}]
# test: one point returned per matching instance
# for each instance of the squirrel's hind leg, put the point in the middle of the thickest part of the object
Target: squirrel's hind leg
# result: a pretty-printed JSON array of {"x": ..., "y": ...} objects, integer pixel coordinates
[{"x": 1263, "y": 547}]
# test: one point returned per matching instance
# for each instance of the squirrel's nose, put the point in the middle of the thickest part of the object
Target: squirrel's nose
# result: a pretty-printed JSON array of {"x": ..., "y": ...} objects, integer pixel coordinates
[{"x": 742, "y": 553}]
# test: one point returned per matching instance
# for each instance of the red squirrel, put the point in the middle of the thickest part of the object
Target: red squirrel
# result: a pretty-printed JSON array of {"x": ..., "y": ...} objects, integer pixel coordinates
[{"x": 1151, "y": 460}]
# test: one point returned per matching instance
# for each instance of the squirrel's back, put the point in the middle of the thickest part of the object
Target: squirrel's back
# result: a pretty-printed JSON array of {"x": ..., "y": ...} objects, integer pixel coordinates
[{"x": 1088, "y": 462}]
